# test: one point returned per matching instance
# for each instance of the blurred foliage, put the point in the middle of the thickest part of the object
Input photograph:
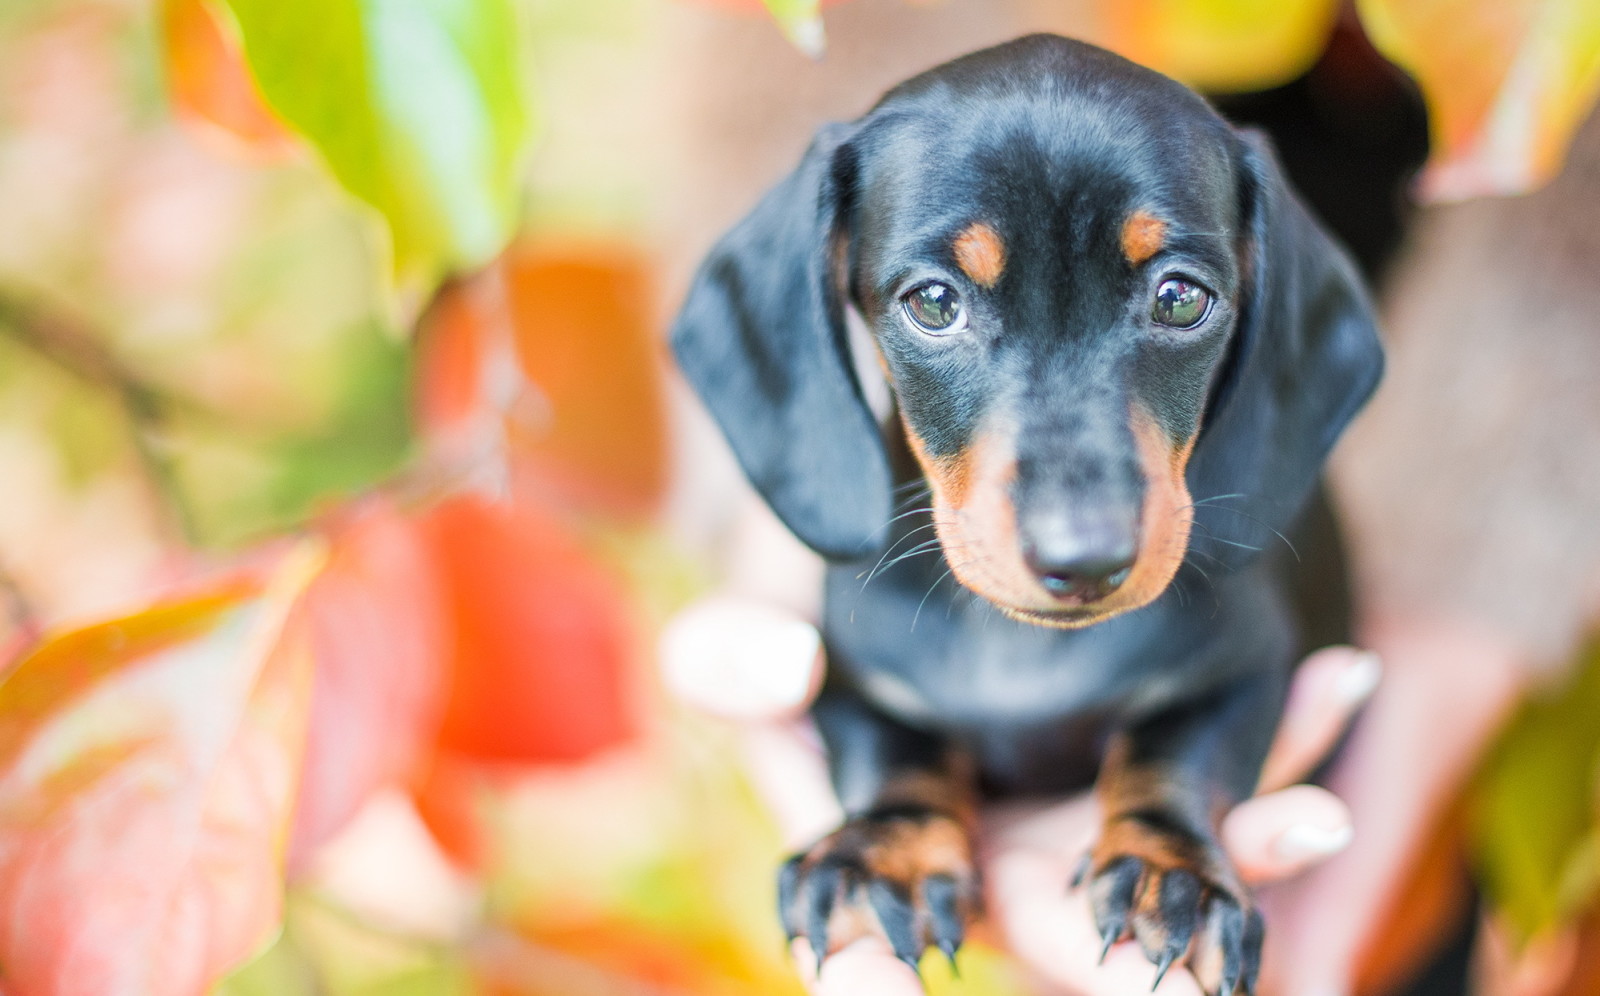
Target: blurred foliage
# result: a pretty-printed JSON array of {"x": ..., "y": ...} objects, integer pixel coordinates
[
  {"x": 1221, "y": 45},
  {"x": 417, "y": 108},
  {"x": 164, "y": 746},
  {"x": 1507, "y": 84},
  {"x": 1534, "y": 812}
]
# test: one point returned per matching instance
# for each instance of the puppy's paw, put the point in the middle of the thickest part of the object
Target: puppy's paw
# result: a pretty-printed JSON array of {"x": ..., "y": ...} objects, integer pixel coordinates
[
  {"x": 904, "y": 873},
  {"x": 1179, "y": 899}
]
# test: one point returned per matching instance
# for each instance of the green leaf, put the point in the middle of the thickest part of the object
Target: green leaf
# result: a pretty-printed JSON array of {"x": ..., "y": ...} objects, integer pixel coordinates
[
  {"x": 1534, "y": 822},
  {"x": 416, "y": 106},
  {"x": 801, "y": 21}
]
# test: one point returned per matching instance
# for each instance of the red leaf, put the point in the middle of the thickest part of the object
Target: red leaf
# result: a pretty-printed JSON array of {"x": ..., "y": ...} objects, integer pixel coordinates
[
  {"x": 147, "y": 771},
  {"x": 377, "y": 631},
  {"x": 538, "y": 669}
]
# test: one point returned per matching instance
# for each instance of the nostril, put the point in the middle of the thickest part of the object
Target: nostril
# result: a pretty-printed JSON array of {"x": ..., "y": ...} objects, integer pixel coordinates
[
  {"x": 1082, "y": 575},
  {"x": 1059, "y": 585}
]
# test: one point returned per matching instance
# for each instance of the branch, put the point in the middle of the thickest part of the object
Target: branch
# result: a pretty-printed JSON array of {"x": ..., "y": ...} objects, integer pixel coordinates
[{"x": 70, "y": 344}]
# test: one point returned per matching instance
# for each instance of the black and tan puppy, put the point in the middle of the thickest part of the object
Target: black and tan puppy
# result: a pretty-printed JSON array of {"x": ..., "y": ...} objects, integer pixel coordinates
[{"x": 1117, "y": 351}]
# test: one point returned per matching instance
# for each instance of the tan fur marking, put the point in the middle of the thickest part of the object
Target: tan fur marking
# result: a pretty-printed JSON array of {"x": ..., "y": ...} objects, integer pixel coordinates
[
  {"x": 976, "y": 524},
  {"x": 1143, "y": 235},
  {"x": 981, "y": 254}
]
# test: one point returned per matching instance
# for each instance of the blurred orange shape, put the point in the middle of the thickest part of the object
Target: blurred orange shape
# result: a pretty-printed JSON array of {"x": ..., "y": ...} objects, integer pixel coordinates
[
  {"x": 1218, "y": 44},
  {"x": 1507, "y": 84},
  {"x": 147, "y": 771},
  {"x": 377, "y": 631},
  {"x": 587, "y": 340},
  {"x": 211, "y": 87},
  {"x": 538, "y": 669},
  {"x": 591, "y": 429}
]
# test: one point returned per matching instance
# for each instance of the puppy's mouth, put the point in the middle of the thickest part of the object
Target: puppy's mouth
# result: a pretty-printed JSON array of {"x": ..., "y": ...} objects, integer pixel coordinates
[{"x": 976, "y": 523}]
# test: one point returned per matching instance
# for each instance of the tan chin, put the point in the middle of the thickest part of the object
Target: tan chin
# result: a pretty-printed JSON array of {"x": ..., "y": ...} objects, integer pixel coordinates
[{"x": 1073, "y": 619}]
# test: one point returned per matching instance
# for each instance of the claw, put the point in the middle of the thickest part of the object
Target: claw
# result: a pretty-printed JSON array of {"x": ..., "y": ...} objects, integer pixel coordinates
[
  {"x": 1251, "y": 949},
  {"x": 788, "y": 888},
  {"x": 821, "y": 889},
  {"x": 1105, "y": 947},
  {"x": 1227, "y": 929},
  {"x": 899, "y": 921},
  {"x": 1167, "y": 958},
  {"x": 950, "y": 956},
  {"x": 1080, "y": 872},
  {"x": 943, "y": 899},
  {"x": 1111, "y": 894}
]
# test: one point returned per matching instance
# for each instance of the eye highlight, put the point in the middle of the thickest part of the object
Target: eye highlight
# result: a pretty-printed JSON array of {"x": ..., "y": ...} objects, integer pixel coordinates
[
  {"x": 1180, "y": 304},
  {"x": 935, "y": 308}
]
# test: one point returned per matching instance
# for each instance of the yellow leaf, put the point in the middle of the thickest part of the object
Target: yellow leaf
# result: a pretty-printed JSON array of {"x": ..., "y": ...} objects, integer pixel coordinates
[
  {"x": 1220, "y": 45},
  {"x": 1507, "y": 84}
]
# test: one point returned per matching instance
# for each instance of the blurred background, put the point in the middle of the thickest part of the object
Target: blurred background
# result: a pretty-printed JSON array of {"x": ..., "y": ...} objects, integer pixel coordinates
[{"x": 345, "y": 488}]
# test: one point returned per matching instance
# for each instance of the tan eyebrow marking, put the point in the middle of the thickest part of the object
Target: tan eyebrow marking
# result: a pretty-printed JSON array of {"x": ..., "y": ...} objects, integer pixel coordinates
[
  {"x": 1142, "y": 236},
  {"x": 980, "y": 253}
]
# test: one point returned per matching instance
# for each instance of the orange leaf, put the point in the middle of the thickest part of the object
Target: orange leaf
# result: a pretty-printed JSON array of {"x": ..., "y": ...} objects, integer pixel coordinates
[
  {"x": 587, "y": 340},
  {"x": 1507, "y": 83},
  {"x": 377, "y": 632},
  {"x": 212, "y": 90},
  {"x": 538, "y": 670},
  {"x": 591, "y": 428},
  {"x": 147, "y": 771}
]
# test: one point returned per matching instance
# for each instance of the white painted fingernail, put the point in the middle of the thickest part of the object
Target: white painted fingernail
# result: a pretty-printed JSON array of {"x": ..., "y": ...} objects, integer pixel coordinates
[
  {"x": 1359, "y": 680},
  {"x": 740, "y": 659},
  {"x": 1307, "y": 842}
]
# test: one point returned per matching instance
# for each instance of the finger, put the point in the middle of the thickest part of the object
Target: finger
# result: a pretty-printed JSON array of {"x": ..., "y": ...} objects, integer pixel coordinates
[
  {"x": 787, "y": 770},
  {"x": 1283, "y": 833},
  {"x": 1328, "y": 689},
  {"x": 866, "y": 966},
  {"x": 1051, "y": 931},
  {"x": 742, "y": 659}
]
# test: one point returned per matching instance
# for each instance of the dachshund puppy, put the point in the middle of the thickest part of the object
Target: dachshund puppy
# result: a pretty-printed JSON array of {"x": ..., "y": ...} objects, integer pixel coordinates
[{"x": 1080, "y": 537}]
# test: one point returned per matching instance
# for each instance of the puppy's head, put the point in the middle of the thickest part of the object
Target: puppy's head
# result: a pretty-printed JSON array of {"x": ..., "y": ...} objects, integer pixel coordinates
[{"x": 1097, "y": 306}]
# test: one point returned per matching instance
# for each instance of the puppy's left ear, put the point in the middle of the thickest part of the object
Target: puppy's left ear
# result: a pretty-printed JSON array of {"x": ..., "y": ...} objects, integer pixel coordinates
[{"x": 1304, "y": 359}]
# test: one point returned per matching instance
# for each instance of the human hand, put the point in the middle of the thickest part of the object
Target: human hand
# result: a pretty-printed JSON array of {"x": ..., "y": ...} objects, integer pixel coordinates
[{"x": 761, "y": 667}]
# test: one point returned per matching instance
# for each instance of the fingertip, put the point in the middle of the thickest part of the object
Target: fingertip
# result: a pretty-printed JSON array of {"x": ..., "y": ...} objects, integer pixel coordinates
[
  {"x": 741, "y": 659},
  {"x": 1285, "y": 832},
  {"x": 863, "y": 966},
  {"x": 1329, "y": 687}
]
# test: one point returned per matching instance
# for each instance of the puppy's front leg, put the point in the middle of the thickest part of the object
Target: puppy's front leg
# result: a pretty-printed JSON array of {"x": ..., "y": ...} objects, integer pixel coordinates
[
  {"x": 1159, "y": 872},
  {"x": 901, "y": 866}
]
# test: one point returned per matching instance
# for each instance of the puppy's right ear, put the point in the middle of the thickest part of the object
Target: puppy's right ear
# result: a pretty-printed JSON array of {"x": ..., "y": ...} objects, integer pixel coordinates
[{"x": 762, "y": 339}]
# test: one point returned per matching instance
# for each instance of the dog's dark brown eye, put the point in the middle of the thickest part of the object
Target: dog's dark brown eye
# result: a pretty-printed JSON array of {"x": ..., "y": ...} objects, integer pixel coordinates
[
  {"x": 935, "y": 308},
  {"x": 1180, "y": 304}
]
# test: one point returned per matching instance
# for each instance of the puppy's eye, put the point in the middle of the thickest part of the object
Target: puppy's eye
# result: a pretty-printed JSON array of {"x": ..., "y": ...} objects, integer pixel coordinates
[
  {"x": 1180, "y": 304},
  {"x": 935, "y": 308}
]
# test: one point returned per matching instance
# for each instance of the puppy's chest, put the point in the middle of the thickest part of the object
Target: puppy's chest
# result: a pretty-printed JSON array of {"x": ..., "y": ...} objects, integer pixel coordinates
[{"x": 933, "y": 655}]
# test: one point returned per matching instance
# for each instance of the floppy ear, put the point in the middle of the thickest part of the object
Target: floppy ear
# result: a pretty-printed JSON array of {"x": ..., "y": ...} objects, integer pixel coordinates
[
  {"x": 762, "y": 339},
  {"x": 1305, "y": 357}
]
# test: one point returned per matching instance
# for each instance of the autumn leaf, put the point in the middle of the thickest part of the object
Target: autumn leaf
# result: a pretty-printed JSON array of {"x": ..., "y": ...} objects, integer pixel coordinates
[
  {"x": 1219, "y": 44},
  {"x": 211, "y": 89},
  {"x": 538, "y": 669},
  {"x": 591, "y": 428},
  {"x": 148, "y": 767},
  {"x": 1507, "y": 84},
  {"x": 417, "y": 108},
  {"x": 377, "y": 631}
]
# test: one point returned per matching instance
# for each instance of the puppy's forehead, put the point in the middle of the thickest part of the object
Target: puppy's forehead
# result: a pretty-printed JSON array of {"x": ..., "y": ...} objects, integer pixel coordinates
[{"x": 1062, "y": 142}]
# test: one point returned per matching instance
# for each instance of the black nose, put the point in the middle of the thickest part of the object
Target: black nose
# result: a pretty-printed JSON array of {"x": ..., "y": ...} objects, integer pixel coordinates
[{"x": 1082, "y": 568}]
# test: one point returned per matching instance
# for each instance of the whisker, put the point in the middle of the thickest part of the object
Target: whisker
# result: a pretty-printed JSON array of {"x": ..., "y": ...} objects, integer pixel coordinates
[{"x": 918, "y": 614}]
